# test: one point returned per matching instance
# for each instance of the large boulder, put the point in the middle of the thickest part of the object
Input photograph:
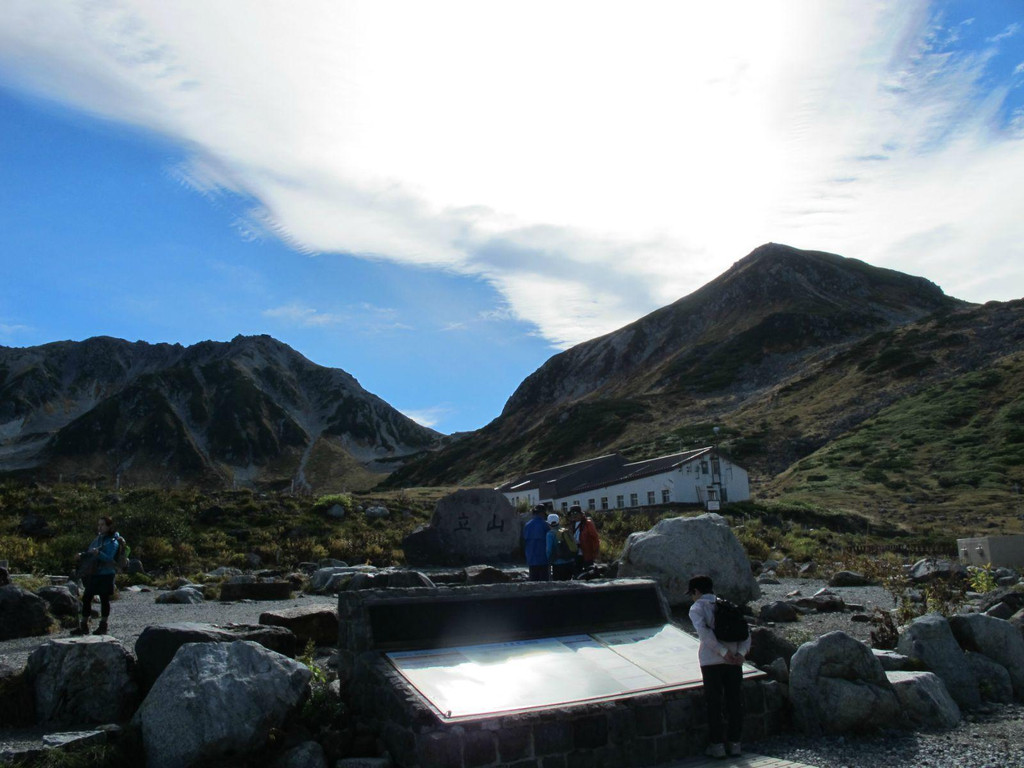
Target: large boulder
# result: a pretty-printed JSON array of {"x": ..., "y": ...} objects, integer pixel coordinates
[
  {"x": 157, "y": 645},
  {"x": 22, "y": 614},
  {"x": 929, "y": 569},
  {"x": 217, "y": 699},
  {"x": 60, "y": 601},
  {"x": 994, "y": 682},
  {"x": 924, "y": 699},
  {"x": 181, "y": 596},
  {"x": 995, "y": 638},
  {"x": 469, "y": 526},
  {"x": 316, "y": 623},
  {"x": 17, "y": 699},
  {"x": 837, "y": 686},
  {"x": 766, "y": 646},
  {"x": 392, "y": 578},
  {"x": 332, "y": 579},
  {"x": 88, "y": 679},
  {"x": 679, "y": 548},
  {"x": 930, "y": 640}
]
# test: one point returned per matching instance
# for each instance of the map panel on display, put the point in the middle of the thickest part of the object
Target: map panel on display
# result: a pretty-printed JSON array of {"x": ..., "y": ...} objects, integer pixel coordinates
[{"x": 474, "y": 680}]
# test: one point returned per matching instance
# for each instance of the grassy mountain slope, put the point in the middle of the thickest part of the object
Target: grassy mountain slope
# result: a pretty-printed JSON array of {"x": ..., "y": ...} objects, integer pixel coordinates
[{"x": 693, "y": 363}]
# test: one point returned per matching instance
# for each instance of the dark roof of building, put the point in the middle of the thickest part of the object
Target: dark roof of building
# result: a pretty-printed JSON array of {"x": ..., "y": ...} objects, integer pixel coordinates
[
  {"x": 618, "y": 471},
  {"x": 640, "y": 469},
  {"x": 536, "y": 478}
]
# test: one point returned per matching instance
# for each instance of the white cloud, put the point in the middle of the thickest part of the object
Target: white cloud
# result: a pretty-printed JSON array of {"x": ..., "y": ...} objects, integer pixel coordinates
[
  {"x": 592, "y": 163},
  {"x": 428, "y": 417}
]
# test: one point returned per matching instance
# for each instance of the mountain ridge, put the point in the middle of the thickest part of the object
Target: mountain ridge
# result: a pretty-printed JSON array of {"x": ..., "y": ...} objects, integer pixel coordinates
[{"x": 250, "y": 410}]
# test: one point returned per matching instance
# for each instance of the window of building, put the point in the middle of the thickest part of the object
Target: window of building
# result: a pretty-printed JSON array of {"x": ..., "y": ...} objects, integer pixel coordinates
[
  {"x": 604, "y": 502},
  {"x": 704, "y": 467},
  {"x": 650, "y": 497},
  {"x": 591, "y": 504},
  {"x": 575, "y": 502},
  {"x": 565, "y": 505},
  {"x": 666, "y": 496},
  {"x": 633, "y": 501},
  {"x": 620, "y": 502}
]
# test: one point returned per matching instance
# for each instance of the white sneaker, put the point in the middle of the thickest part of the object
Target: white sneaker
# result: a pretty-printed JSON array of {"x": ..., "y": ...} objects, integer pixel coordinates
[
  {"x": 715, "y": 750},
  {"x": 734, "y": 749}
]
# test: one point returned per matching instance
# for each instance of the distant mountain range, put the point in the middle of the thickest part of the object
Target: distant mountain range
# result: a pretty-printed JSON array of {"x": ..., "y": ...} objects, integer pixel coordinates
[
  {"x": 834, "y": 382},
  {"x": 250, "y": 412}
]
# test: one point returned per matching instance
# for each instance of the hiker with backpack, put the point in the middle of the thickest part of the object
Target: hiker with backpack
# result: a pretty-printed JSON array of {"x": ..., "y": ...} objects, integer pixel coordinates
[
  {"x": 724, "y": 644},
  {"x": 561, "y": 549},
  {"x": 99, "y": 566}
]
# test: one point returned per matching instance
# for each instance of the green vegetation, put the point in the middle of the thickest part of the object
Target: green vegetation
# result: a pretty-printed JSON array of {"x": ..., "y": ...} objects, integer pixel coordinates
[
  {"x": 945, "y": 459},
  {"x": 184, "y": 532}
]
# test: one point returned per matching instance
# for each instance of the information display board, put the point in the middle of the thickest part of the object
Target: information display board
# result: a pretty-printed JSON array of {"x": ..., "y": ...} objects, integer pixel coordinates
[{"x": 476, "y": 680}]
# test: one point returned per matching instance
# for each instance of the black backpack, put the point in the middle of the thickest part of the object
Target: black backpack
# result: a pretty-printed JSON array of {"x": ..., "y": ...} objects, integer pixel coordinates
[{"x": 730, "y": 623}]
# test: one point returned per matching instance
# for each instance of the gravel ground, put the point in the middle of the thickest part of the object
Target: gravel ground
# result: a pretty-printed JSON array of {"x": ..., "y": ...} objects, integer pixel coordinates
[
  {"x": 989, "y": 738},
  {"x": 132, "y": 612}
]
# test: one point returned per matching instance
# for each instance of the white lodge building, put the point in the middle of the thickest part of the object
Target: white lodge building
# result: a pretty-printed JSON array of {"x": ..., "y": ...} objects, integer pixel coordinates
[{"x": 700, "y": 476}]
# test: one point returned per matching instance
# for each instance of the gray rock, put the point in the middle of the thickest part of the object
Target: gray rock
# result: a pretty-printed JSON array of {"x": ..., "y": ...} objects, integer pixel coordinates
[
  {"x": 849, "y": 579},
  {"x": 766, "y": 646},
  {"x": 74, "y": 739},
  {"x": 215, "y": 699},
  {"x": 837, "y": 686},
  {"x": 377, "y": 512},
  {"x": 134, "y": 566},
  {"x": 328, "y": 580},
  {"x": 679, "y": 548},
  {"x": 337, "y": 512},
  {"x": 60, "y": 601},
  {"x": 309, "y": 623},
  {"x": 157, "y": 645},
  {"x": 468, "y": 526},
  {"x": 924, "y": 699},
  {"x": 1000, "y": 611},
  {"x": 17, "y": 697},
  {"x": 993, "y": 678},
  {"x": 778, "y": 611},
  {"x": 224, "y": 570},
  {"x": 930, "y": 569},
  {"x": 308, "y": 754},
  {"x": 486, "y": 574},
  {"x": 180, "y": 596},
  {"x": 22, "y": 614},
  {"x": 930, "y": 640},
  {"x": 892, "y": 661},
  {"x": 995, "y": 638},
  {"x": 88, "y": 679},
  {"x": 778, "y": 670}
]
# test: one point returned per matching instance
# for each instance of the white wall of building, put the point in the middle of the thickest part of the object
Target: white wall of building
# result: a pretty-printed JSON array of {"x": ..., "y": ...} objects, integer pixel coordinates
[{"x": 684, "y": 485}]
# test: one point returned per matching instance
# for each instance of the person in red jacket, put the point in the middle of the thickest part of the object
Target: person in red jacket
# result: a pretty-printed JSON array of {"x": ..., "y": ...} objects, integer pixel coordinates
[{"x": 587, "y": 540}]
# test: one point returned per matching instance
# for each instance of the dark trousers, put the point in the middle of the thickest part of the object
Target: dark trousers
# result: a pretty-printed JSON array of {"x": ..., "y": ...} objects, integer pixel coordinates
[
  {"x": 723, "y": 695},
  {"x": 540, "y": 573},
  {"x": 102, "y": 585},
  {"x": 561, "y": 571}
]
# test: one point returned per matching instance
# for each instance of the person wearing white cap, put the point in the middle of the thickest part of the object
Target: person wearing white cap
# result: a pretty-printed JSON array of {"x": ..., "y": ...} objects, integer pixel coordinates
[{"x": 561, "y": 550}]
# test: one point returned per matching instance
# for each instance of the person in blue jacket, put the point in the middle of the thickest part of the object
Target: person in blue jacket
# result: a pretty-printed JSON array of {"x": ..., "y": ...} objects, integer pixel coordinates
[
  {"x": 100, "y": 583},
  {"x": 535, "y": 534}
]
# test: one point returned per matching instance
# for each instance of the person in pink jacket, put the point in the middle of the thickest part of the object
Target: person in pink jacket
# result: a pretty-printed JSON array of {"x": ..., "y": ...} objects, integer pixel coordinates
[{"x": 721, "y": 667}]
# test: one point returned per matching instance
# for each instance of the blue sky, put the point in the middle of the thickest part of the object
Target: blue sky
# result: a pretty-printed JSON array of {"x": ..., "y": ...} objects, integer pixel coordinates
[{"x": 436, "y": 197}]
